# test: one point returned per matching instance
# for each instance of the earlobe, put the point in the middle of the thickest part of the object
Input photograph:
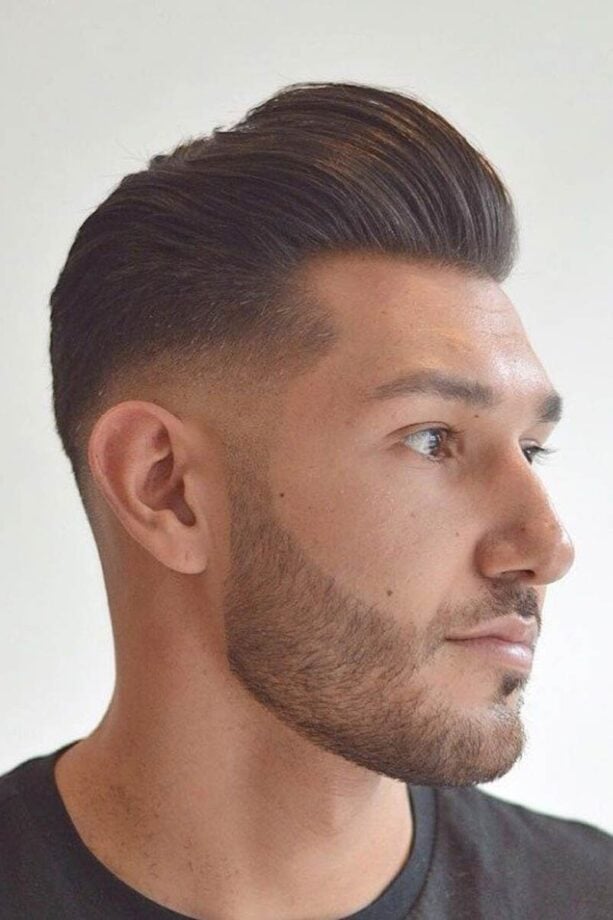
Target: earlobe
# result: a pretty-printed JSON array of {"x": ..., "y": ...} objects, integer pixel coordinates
[{"x": 138, "y": 461}]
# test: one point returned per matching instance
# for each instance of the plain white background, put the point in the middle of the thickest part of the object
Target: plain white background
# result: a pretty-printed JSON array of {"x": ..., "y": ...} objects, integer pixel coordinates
[{"x": 91, "y": 90}]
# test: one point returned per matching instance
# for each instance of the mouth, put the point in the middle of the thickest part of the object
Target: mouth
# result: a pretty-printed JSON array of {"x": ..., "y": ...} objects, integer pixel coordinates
[{"x": 516, "y": 655}]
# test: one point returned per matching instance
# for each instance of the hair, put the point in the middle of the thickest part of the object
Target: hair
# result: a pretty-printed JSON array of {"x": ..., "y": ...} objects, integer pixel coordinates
[{"x": 186, "y": 268}]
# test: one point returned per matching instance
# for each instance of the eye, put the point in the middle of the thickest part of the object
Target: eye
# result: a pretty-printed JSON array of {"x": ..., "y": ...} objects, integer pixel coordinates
[
  {"x": 539, "y": 453},
  {"x": 434, "y": 439}
]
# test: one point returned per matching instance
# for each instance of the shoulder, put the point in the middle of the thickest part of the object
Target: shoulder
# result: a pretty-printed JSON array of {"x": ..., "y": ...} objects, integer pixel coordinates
[
  {"x": 28, "y": 810},
  {"x": 494, "y": 858},
  {"x": 16, "y": 820},
  {"x": 11, "y": 796},
  {"x": 484, "y": 809},
  {"x": 534, "y": 843},
  {"x": 22, "y": 849}
]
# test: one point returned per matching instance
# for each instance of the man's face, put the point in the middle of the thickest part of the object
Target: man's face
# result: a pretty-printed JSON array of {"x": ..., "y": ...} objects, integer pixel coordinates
[{"x": 371, "y": 538}]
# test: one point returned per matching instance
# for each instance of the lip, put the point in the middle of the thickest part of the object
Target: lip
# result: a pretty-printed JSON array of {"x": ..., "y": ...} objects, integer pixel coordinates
[
  {"x": 511, "y": 630},
  {"x": 509, "y": 641},
  {"x": 510, "y": 654}
]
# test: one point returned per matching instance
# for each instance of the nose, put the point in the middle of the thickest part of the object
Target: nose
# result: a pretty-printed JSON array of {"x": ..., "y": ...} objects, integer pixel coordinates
[{"x": 526, "y": 537}]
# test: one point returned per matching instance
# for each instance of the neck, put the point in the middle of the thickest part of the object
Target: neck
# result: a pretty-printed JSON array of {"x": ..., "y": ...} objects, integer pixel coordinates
[{"x": 198, "y": 797}]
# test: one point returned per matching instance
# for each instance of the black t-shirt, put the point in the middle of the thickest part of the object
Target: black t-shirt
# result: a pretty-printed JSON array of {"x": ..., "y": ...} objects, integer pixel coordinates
[{"x": 473, "y": 856}]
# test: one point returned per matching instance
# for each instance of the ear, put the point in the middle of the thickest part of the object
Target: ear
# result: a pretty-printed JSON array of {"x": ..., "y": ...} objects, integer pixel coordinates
[{"x": 139, "y": 457}]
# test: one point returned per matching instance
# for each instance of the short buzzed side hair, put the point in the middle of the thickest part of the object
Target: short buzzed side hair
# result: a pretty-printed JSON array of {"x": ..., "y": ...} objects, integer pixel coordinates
[{"x": 186, "y": 266}]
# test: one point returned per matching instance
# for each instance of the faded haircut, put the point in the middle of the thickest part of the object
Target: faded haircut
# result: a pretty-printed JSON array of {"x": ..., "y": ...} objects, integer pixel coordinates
[{"x": 186, "y": 268}]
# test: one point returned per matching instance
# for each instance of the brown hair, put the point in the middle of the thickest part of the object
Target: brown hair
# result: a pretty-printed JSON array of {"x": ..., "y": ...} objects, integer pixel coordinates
[{"x": 187, "y": 264}]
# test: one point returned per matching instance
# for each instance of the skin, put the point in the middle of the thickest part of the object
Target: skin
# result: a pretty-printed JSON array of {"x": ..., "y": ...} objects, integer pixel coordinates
[{"x": 280, "y": 609}]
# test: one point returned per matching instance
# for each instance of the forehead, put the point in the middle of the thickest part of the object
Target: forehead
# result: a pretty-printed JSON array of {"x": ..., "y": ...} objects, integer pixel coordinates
[{"x": 394, "y": 315}]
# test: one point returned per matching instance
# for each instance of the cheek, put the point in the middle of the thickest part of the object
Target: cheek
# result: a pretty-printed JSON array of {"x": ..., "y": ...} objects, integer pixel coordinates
[{"x": 378, "y": 528}]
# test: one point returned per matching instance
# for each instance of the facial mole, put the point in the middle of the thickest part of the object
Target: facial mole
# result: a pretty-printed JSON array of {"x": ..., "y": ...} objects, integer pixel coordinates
[
  {"x": 389, "y": 592},
  {"x": 281, "y": 494}
]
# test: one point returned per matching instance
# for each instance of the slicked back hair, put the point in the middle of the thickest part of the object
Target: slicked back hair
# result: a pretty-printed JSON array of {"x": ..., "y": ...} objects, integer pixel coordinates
[{"x": 187, "y": 264}]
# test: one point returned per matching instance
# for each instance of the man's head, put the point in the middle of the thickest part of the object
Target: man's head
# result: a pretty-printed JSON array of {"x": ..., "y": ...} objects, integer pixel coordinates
[{"x": 228, "y": 336}]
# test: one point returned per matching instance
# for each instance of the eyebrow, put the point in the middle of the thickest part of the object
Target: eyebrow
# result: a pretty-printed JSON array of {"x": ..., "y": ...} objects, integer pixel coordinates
[{"x": 462, "y": 389}]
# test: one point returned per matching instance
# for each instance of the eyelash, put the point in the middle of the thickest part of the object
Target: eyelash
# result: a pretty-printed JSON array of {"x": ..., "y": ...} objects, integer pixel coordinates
[{"x": 540, "y": 454}]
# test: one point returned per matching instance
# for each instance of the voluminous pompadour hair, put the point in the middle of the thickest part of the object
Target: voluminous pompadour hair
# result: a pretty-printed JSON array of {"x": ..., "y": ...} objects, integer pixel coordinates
[{"x": 187, "y": 264}]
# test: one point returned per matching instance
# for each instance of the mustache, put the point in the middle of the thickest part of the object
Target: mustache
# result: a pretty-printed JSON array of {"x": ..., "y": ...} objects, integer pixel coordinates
[{"x": 505, "y": 599}]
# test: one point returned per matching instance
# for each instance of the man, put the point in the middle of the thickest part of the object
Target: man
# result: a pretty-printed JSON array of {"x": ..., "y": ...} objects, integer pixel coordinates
[{"x": 302, "y": 415}]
